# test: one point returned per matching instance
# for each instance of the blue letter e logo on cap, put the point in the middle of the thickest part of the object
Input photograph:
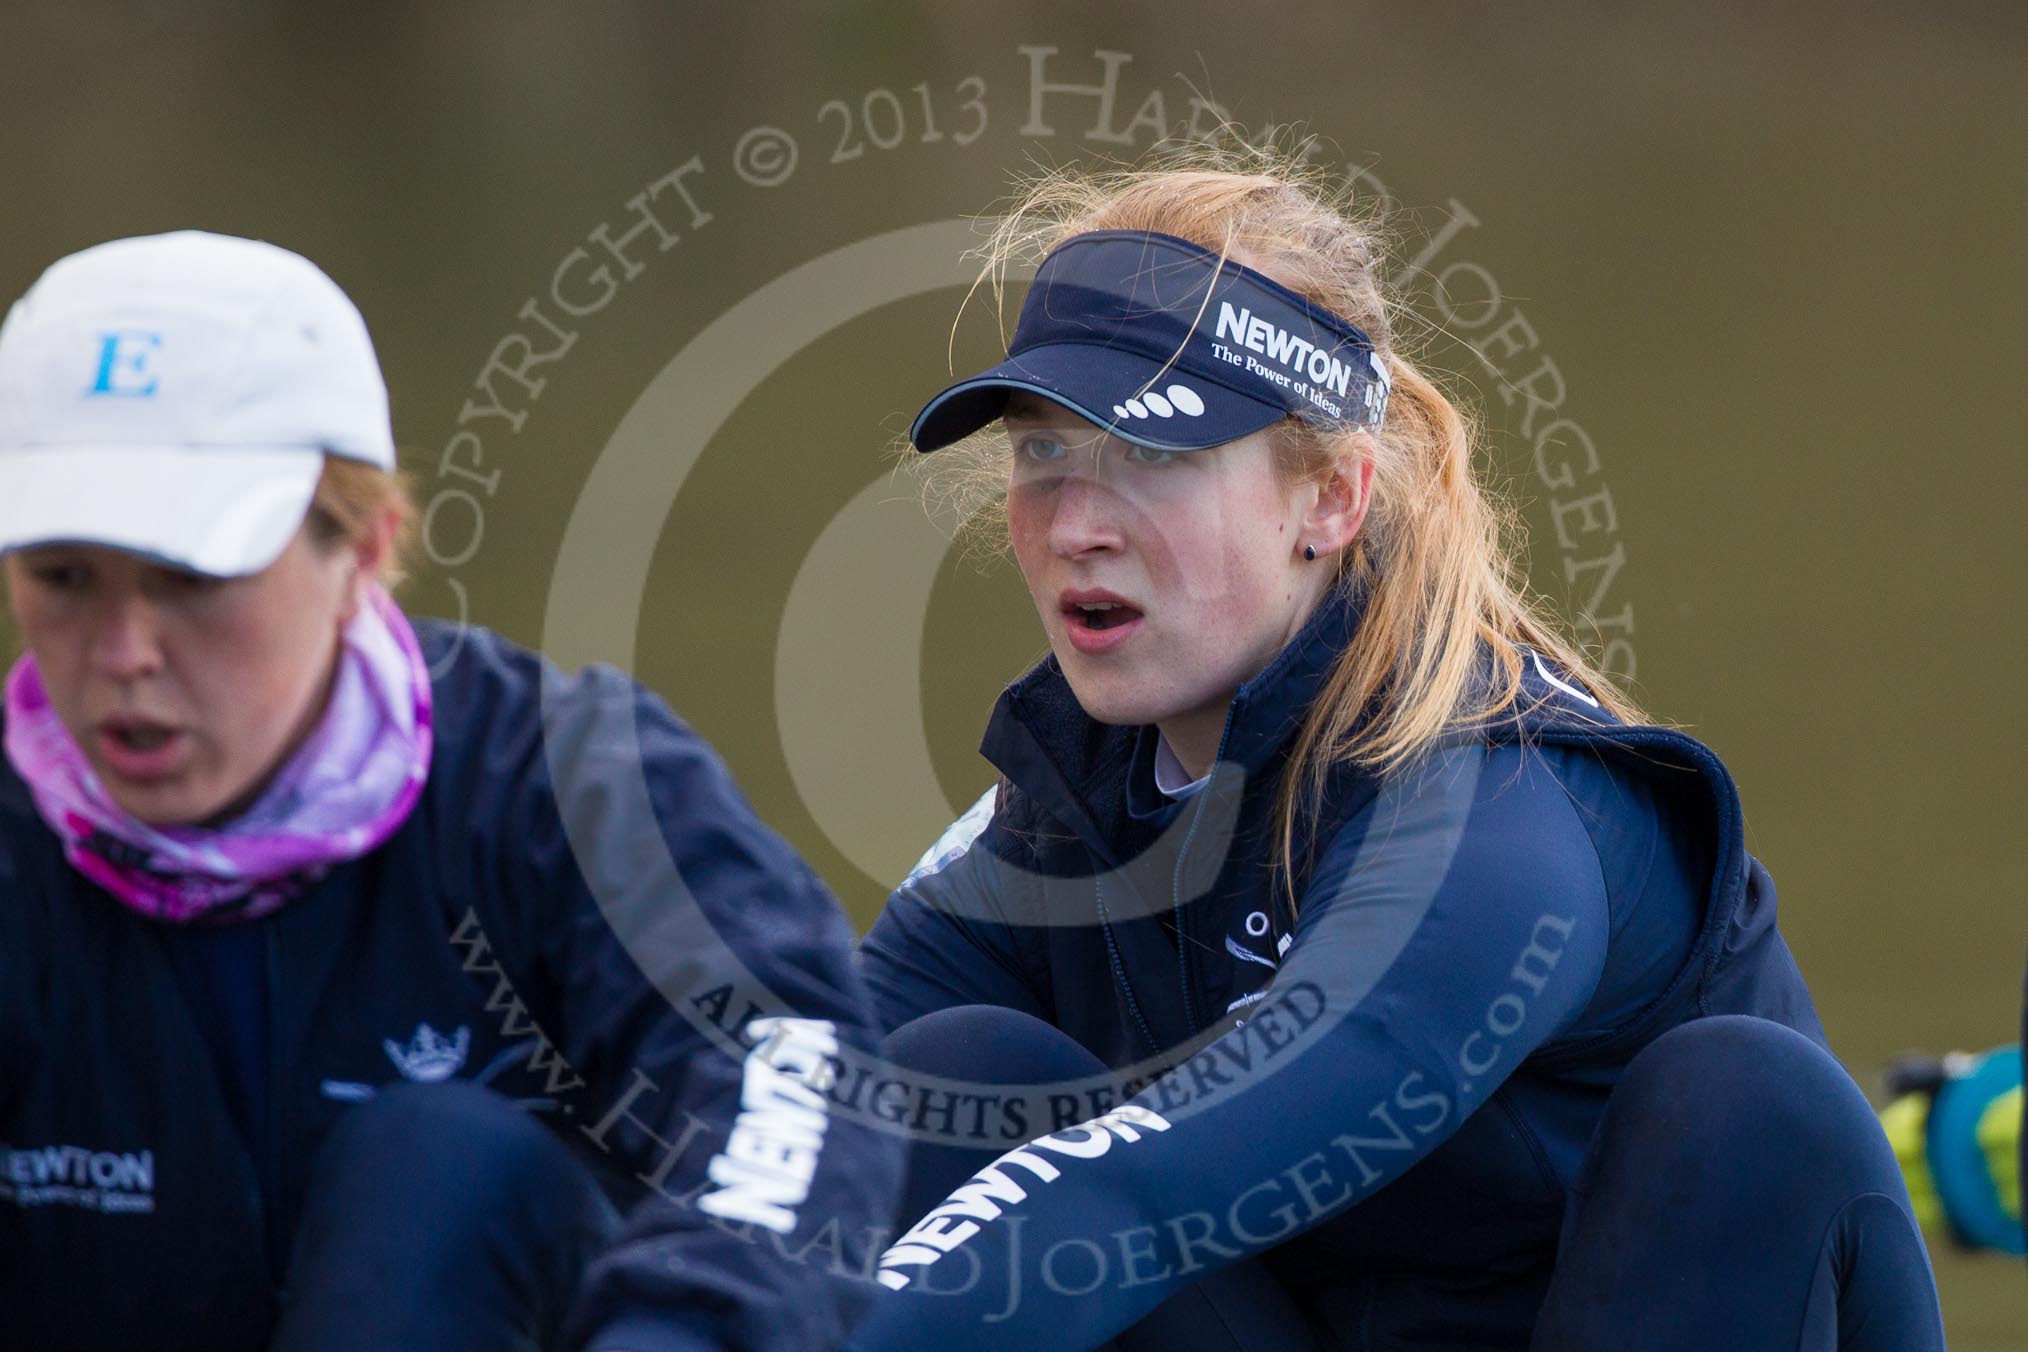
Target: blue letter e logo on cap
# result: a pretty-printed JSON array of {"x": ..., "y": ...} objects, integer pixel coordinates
[{"x": 123, "y": 364}]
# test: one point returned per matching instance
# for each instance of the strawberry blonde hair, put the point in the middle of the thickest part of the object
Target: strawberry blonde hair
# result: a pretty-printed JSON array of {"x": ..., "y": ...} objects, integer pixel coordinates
[
  {"x": 351, "y": 496},
  {"x": 1439, "y": 555}
]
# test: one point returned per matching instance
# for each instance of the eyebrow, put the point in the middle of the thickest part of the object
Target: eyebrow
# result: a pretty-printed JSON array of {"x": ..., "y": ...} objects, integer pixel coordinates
[
  {"x": 1033, "y": 408},
  {"x": 1028, "y": 407}
]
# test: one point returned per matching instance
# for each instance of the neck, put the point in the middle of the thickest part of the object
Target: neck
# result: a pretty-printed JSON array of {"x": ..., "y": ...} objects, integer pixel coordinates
[{"x": 1193, "y": 737}]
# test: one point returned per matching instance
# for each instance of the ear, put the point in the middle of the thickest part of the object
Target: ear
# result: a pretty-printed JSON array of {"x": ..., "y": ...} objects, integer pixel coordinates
[
  {"x": 1337, "y": 512},
  {"x": 365, "y": 558}
]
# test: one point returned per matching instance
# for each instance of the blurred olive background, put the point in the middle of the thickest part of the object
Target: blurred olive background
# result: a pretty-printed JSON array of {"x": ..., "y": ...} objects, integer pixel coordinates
[{"x": 1774, "y": 256}]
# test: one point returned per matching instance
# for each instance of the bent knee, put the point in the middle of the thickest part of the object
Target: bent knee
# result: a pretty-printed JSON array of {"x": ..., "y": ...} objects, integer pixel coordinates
[
  {"x": 1707, "y": 1071},
  {"x": 1733, "y": 1094},
  {"x": 989, "y": 1044},
  {"x": 452, "y": 1142}
]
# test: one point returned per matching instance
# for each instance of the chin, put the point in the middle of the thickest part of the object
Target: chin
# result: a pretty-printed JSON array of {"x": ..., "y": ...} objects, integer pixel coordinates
[
  {"x": 165, "y": 807},
  {"x": 1114, "y": 700}
]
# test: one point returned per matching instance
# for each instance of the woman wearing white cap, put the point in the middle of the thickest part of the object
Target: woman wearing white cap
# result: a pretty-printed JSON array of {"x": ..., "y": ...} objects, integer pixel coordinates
[
  {"x": 1359, "y": 941},
  {"x": 289, "y": 923}
]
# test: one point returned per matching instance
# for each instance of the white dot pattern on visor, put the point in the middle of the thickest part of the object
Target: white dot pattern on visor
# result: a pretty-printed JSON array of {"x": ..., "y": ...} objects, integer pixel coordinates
[{"x": 1170, "y": 402}]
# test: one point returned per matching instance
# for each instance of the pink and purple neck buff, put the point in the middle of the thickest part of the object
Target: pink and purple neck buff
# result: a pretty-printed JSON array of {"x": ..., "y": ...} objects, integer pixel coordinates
[{"x": 344, "y": 791}]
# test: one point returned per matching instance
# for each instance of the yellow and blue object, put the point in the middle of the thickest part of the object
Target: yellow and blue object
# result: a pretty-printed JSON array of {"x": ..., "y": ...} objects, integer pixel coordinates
[{"x": 1955, "y": 1125}]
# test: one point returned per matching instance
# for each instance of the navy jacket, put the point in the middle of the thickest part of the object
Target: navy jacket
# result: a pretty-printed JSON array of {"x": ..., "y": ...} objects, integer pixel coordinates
[
  {"x": 582, "y": 912},
  {"x": 1389, "y": 1095}
]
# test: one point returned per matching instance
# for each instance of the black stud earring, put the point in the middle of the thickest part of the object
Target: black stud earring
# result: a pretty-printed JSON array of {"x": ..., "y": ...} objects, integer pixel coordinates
[{"x": 1309, "y": 553}]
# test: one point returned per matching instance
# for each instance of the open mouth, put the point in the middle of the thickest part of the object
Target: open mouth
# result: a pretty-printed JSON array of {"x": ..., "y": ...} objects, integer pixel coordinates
[
  {"x": 140, "y": 737},
  {"x": 139, "y": 749},
  {"x": 1097, "y": 622},
  {"x": 1100, "y": 615}
]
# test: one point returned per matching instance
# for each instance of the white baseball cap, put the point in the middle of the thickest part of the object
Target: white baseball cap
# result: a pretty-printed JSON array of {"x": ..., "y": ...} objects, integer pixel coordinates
[{"x": 174, "y": 396}]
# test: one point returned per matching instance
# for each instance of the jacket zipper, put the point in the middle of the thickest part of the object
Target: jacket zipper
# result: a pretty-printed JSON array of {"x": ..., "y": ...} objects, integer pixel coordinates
[
  {"x": 1098, "y": 893},
  {"x": 1183, "y": 938}
]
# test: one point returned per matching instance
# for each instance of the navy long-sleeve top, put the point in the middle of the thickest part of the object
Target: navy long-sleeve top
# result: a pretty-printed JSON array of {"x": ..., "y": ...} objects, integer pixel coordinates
[
  {"x": 582, "y": 913},
  {"x": 1388, "y": 1094}
]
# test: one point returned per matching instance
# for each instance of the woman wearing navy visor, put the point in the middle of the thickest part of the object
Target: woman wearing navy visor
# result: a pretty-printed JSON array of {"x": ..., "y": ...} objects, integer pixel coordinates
[
  {"x": 352, "y": 969},
  {"x": 1452, "y": 1010}
]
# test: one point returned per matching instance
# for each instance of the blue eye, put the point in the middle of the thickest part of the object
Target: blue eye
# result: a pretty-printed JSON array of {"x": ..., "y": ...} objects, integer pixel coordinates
[
  {"x": 1040, "y": 449},
  {"x": 1151, "y": 455}
]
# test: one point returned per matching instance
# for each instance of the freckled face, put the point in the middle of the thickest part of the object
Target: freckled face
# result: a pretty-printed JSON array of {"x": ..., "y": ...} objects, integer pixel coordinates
[
  {"x": 1164, "y": 579},
  {"x": 184, "y": 692}
]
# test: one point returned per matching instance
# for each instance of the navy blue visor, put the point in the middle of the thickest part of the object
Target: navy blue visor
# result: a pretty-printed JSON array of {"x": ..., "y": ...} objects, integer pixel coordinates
[{"x": 1165, "y": 344}]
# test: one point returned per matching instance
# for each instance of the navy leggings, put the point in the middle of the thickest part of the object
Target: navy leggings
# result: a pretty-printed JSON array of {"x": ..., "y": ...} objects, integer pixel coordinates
[
  {"x": 440, "y": 1216},
  {"x": 1738, "y": 1194}
]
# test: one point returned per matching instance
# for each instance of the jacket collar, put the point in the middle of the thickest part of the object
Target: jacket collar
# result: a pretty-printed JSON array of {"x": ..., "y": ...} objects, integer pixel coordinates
[{"x": 1099, "y": 780}]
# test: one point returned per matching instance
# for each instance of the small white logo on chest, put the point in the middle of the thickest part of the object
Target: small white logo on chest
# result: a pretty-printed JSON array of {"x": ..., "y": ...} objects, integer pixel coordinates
[{"x": 429, "y": 1055}]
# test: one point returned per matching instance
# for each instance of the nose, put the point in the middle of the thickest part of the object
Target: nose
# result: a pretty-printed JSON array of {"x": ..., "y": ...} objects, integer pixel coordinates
[
  {"x": 127, "y": 636},
  {"x": 1086, "y": 520}
]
